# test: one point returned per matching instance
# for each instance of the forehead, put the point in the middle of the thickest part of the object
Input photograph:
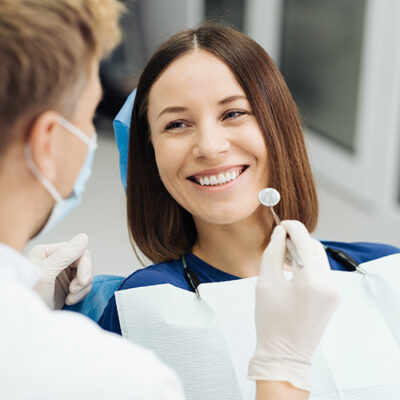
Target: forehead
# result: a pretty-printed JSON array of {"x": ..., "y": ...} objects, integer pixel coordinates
[{"x": 195, "y": 75}]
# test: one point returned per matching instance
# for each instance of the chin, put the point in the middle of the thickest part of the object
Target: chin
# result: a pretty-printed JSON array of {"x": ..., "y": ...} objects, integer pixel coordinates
[
  {"x": 225, "y": 218},
  {"x": 233, "y": 214}
]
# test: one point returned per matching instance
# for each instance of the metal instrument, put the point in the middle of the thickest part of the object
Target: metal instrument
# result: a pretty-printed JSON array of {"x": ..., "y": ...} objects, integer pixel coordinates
[{"x": 270, "y": 197}]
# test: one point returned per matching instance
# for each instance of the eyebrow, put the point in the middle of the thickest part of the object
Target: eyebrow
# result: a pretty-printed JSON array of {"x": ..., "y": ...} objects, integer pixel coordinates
[
  {"x": 176, "y": 109},
  {"x": 230, "y": 99},
  {"x": 172, "y": 109}
]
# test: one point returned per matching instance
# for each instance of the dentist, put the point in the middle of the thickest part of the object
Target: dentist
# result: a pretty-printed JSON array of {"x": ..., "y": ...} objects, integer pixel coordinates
[{"x": 49, "y": 90}]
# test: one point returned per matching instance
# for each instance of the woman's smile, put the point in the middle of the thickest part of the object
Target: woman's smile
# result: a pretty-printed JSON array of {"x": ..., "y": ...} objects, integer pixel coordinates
[{"x": 218, "y": 177}]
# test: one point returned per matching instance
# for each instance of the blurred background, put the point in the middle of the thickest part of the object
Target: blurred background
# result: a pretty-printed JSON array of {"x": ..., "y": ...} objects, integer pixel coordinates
[{"x": 341, "y": 60}]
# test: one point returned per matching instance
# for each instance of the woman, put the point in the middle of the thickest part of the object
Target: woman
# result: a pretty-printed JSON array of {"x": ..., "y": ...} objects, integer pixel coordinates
[{"x": 213, "y": 124}]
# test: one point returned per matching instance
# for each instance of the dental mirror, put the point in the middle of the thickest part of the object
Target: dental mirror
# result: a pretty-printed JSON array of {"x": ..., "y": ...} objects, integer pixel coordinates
[{"x": 270, "y": 197}]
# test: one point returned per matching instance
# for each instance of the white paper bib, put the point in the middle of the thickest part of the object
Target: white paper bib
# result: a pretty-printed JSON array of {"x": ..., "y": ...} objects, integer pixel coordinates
[{"x": 209, "y": 342}]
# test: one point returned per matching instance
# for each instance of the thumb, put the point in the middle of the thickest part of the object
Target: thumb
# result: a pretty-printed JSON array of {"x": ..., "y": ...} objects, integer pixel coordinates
[
  {"x": 69, "y": 252},
  {"x": 84, "y": 273}
]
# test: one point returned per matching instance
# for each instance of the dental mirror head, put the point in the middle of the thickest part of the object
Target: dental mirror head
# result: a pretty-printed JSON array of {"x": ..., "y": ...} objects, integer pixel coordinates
[{"x": 269, "y": 197}]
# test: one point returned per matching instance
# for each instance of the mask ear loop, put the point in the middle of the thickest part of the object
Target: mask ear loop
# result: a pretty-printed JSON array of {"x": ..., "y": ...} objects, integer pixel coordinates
[
  {"x": 45, "y": 182},
  {"x": 32, "y": 166},
  {"x": 77, "y": 132}
]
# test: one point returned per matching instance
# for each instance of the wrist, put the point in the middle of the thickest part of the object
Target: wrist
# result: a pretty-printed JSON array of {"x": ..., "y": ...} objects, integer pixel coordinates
[
  {"x": 266, "y": 368},
  {"x": 271, "y": 390}
]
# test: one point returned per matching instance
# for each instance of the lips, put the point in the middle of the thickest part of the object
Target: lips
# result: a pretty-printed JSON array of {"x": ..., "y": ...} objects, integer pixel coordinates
[{"x": 218, "y": 176}]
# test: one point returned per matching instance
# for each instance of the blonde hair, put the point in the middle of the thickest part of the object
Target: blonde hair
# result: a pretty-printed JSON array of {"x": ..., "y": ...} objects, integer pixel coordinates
[{"x": 47, "y": 48}]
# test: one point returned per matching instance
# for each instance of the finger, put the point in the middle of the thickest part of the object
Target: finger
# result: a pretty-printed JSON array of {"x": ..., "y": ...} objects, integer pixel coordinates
[
  {"x": 320, "y": 254},
  {"x": 274, "y": 256},
  {"x": 74, "y": 298},
  {"x": 300, "y": 238},
  {"x": 42, "y": 251},
  {"x": 69, "y": 252},
  {"x": 84, "y": 273},
  {"x": 305, "y": 247},
  {"x": 62, "y": 282},
  {"x": 318, "y": 248}
]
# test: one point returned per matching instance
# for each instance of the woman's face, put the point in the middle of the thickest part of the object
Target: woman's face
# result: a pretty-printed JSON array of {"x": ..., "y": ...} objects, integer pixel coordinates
[{"x": 209, "y": 148}]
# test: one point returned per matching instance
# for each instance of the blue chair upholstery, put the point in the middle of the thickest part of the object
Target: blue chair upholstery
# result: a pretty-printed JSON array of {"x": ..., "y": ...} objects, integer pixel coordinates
[{"x": 96, "y": 301}]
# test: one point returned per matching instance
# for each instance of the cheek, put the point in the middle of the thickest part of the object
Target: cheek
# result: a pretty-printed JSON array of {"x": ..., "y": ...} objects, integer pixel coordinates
[
  {"x": 260, "y": 151},
  {"x": 171, "y": 153},
  {"x": 169, "y": 177},
  {"x": 260, "y": 147},
  {"x": 166, "y": 161},
  {"x": 257, "y": 147},
  {"x": 253, "y": 143},
  {"x": 171, "y": 160}
]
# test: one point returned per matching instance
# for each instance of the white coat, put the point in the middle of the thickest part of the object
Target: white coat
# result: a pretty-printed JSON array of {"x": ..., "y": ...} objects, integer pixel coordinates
[{"x": 60, "y": 355}]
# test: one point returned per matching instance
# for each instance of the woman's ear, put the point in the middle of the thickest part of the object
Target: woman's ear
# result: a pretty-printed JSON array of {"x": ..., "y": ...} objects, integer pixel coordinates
[{"x": 42, "y": 136}]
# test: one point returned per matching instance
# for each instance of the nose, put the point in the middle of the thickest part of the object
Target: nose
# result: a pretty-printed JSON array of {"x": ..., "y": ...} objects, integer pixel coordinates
[{"x": 211, "y": 141}]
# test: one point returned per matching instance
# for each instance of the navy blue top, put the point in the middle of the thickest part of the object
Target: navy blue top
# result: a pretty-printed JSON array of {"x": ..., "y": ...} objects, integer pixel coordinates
[{"x": 172, "y": 273}]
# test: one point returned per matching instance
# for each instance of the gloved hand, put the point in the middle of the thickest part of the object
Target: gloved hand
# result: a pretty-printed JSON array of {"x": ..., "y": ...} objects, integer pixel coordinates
[
  {"x": 291, "y": 315},
  {"x": 67, "y": 271}
]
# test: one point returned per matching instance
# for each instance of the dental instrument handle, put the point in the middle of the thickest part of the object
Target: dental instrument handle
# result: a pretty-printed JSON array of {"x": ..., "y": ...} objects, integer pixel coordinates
[
  {"x": 293, "y": 252},
  {"x": 345, "y": 259},
  {"x": 275, "y": 216},
  {"x": 289, "y": 244}
]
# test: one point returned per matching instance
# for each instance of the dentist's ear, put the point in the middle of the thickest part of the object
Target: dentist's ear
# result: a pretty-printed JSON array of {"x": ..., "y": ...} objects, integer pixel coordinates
[{"x": 41, "y": 137}]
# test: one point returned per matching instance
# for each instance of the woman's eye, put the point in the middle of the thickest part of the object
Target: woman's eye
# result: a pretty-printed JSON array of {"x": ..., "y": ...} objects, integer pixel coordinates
[
  {"x": 234, "y": 114},
  {"x": 175, "y": 125}
]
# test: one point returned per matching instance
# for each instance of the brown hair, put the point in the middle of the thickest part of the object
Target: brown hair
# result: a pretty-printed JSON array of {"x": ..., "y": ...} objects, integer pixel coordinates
[
  {"x": 46, "y": 50},
  {"x": 158, "y": 225}
]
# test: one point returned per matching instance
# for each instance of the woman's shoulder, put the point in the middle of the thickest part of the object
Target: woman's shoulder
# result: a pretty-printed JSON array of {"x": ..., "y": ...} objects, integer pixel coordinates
[
  {"x": 166, "y": 272},
  {"x": 361, "y": 251}
]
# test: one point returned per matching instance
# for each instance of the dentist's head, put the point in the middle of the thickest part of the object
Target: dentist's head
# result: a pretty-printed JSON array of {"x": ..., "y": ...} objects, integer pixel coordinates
[{"x": 49, "y": 91}]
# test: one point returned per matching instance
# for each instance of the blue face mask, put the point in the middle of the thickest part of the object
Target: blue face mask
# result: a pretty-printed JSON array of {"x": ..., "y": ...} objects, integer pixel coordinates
[{"x": 64, "y": 206}]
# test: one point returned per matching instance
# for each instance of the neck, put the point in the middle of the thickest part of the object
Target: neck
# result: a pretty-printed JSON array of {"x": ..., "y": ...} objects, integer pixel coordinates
[
  {"x": 22, "y": 207},
  {"x": 12, "y": 230},
  {"x": 236, "y": 248}
]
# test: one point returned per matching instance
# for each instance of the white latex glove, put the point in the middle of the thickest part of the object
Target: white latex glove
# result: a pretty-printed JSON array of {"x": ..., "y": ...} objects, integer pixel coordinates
[
  {"x": 67, "y": 271},
  {"x": 291, "y": 315}
]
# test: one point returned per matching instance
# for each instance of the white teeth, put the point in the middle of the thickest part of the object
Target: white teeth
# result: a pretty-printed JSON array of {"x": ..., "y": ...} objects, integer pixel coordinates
[
  {"x": 213, "y": 180},
  {"x": 218, "y": 180}
]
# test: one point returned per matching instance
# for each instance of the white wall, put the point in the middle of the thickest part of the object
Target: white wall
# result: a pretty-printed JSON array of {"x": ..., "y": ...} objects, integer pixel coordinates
[{"x": 359, "y": 192}]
